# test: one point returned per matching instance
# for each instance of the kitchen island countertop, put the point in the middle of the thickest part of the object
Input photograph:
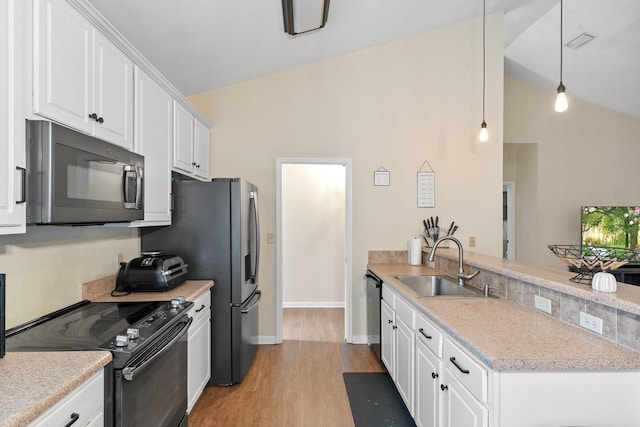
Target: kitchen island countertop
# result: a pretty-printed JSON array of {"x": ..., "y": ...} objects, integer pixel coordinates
[
  {"x": 33, "y": 382},
  {"x": 509, "y": 337}
]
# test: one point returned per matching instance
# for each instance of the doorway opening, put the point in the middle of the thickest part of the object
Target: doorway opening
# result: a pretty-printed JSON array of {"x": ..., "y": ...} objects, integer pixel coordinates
[
  {"x": 508, "y": 221},
  {"x": 313, "y": 236}
]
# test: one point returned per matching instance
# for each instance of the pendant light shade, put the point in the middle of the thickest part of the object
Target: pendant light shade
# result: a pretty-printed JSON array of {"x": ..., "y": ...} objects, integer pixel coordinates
[
  {"x": 484, "y": 133},
  {"x": 561, "y": 98}
]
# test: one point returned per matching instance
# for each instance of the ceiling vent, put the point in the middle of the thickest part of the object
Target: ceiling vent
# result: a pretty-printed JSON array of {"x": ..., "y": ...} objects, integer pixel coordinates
[
  {"x": 302, "y": 16},
  {"x": 580, "y": 41}
]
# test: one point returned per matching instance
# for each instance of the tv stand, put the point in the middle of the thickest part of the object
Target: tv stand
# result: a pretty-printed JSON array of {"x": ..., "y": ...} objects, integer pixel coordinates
[{"x": 628, "y": 274}]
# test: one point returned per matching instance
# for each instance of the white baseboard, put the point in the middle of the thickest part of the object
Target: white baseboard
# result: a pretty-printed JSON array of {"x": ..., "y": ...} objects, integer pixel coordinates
[
  {"x": 359, "y": 339},
  {"x": 313, "y": 304},
  {"x": 269, "y": 339}
]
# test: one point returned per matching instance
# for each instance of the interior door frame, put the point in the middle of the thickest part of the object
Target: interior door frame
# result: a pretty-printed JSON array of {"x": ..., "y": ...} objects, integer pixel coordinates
[
  {"x": 510, "y": 188},
  {"x": 280, "y": 162}
]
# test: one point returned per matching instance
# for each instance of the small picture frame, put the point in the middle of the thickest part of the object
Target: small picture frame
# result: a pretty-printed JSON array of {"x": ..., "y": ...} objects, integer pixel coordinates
[{"x": 381, "y": 178}]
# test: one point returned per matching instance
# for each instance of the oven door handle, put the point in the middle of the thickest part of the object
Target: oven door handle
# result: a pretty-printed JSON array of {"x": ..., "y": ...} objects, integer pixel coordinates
[{"x": 130, "y": 372}]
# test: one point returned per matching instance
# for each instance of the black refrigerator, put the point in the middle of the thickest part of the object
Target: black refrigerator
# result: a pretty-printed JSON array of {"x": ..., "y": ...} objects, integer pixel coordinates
[{"x": 215, "y": 229}]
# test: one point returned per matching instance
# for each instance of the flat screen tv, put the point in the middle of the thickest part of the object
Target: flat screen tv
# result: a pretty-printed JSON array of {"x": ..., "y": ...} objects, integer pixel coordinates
[{"x": 610, "y": 226}]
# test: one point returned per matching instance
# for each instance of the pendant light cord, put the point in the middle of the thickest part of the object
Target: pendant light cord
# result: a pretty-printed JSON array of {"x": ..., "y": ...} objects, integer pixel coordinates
[
  {"x": 484, "y": 71},
  {"x": 561, "y": 19}
]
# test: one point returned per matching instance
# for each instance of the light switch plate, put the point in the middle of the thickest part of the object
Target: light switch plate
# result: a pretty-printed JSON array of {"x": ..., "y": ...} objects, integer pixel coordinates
[
  {"x": 591, "y": 323},
  {"x": 542, "y": 304}
]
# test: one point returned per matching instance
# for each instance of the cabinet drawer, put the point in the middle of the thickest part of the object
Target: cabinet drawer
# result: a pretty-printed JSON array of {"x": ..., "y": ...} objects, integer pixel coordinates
[
  {"x": 404, "y": 312},
  {"x": 428, "y": 334},
  {"x": 86, "y": 402},
  {"x": 201, "y": 307},
  {"x": 388, "y": 296},
  {"x": 471, "y": 373}
]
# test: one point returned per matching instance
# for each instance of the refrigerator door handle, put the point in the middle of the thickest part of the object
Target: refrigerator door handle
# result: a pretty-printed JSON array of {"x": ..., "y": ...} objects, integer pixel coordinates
[
  {"x": 256, "y": 296},
  {"x": 254, "y": 197}
]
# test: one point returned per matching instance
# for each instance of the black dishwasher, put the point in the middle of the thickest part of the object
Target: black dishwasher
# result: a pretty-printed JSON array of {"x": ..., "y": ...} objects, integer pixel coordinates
[{"x": 374, "y": 296}]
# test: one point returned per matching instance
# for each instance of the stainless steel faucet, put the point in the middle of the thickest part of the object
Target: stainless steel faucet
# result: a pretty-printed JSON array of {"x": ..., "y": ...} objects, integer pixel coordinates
[{"x": 462, "y": 276}]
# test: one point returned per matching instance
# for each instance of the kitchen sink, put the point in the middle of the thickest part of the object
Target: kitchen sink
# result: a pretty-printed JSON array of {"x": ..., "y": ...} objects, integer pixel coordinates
[{"x": 435, "y": 286}]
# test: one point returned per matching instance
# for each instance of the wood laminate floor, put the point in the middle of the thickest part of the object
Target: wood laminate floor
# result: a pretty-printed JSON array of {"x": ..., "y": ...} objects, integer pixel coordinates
[{"x": 296, "y": 383}]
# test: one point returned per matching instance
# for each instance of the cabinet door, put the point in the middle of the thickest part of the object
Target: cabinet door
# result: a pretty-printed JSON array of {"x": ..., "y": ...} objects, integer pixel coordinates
[
  {"x": 183, "y": 128},
  {"x": 387, "y": 337},
  {"x": 461, "y": 408},
  {"x": 426, "y": 407},
  {"x": 12, "y": 148},
  {"x": 404, "y": 362},
  {"x": 202, "y": 150},
  {"x": 113, "y": 93},
  {"x": 63, "y": 65},
  {"x": 199, "y": 365},
  {"x": 153, "y": 117}
]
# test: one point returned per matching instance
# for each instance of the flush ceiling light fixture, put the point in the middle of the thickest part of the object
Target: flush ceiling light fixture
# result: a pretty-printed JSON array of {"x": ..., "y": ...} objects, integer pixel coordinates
[
  {"x": 561, "y": 99},
  {"x": 302, "y": 16},
  {"x": 484, "y": 133}
]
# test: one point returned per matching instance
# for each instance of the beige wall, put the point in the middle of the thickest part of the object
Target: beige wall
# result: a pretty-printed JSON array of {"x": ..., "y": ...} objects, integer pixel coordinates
[
  {"x": 587, "y": 155},
  {"x": 46, "y": 267},
  {"x": 394, "y": 105}
]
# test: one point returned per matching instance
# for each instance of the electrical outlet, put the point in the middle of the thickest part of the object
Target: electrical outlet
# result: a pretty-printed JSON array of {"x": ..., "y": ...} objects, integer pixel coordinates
[
  {"x": 542, "y": 304},
  {"x": 591, "y": 323},
  {"x": 120, "y": 258},
  {"x": 472, "y": 242}
]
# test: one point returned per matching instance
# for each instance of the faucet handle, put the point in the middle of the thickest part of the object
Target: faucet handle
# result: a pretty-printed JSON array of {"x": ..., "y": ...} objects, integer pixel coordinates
[{"x": 468, "y": 276}]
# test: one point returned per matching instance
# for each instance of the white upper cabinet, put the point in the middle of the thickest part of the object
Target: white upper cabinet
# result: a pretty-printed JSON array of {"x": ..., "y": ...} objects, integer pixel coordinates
[
  {"x": 12, "y": 144},
  {"x": 153, "y": 137},
  {"x": 183, "y": 155},
  {"x": 201, "y": 142},
  {"x": 80, "y": 78},
  {"x": 190, "y": 144}
]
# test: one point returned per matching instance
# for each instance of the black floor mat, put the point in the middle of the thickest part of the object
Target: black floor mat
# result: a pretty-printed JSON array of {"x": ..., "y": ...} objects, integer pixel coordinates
[{"x": 374, "y": 400}]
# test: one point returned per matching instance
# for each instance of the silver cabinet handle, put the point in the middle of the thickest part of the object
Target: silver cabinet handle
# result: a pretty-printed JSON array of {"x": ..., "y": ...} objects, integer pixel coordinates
[{"x": 23, "y": 197}]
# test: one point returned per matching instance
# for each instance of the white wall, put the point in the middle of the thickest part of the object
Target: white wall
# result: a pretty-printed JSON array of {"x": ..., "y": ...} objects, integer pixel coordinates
[
  {"x": 46, "y": 267},
  {"x": 587, "y": 155},
  {"x": 313, "y": 235},
  {"x": 393, "y": 105}
]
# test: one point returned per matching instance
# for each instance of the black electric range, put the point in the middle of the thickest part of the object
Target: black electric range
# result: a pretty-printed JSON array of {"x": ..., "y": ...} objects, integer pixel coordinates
[{"x": 148, "y": 342}]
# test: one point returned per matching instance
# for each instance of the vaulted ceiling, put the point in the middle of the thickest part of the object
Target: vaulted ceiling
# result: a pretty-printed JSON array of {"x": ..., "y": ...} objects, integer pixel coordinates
[{"x": 206, "y": 44}]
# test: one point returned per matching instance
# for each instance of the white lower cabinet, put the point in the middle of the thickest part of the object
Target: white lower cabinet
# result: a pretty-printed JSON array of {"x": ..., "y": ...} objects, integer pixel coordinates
[
  {"x": 84, "y": 406},
  {"x": 397, "y": 343},
  {"x": 199, "y": 348},
  {"x": 428, "y": 372},
  {"x": 444, "y": 385}
]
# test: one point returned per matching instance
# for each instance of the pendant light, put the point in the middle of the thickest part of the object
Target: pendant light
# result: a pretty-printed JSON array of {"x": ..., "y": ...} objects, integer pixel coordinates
[
  {"x": 484, "y": 134},
  {"x": 561, "y": 98}
]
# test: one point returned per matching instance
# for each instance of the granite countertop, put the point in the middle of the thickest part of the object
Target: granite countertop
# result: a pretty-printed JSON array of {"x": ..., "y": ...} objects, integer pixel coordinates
[
  {"x": 33, "y": 382},
  {"x": 100, "y": 291},
  {"x": 509, "y": 337}
]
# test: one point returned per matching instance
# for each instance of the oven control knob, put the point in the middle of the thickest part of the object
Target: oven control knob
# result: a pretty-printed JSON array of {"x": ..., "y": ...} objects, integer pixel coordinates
[
  {"x": 133, "y": 333},
  {"x": 122, "y": 341},
  {"x": 175, "y": 303}
]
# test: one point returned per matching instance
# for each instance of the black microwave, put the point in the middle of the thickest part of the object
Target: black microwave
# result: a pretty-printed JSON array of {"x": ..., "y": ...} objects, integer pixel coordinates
[{"x": 73, "y": 178}]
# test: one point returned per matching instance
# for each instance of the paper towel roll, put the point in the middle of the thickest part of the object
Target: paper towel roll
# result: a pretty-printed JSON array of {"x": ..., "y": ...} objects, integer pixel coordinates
[{"x": 415, "y": 252}]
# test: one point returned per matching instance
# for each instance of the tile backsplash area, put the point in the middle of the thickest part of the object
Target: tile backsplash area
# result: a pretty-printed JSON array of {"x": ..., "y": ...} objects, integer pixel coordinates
[
  {"x": 388, "y": 257},
  {"x": 619, "y": 326}
]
